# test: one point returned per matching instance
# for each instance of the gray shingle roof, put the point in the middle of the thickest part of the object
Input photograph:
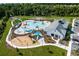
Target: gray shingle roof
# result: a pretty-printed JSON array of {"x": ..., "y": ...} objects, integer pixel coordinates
[
  {"x": 76, "y": 26},
  {"x": 56, "y": 25}
]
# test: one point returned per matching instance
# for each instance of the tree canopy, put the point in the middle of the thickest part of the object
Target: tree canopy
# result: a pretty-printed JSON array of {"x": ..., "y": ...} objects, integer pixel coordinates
[{"x": 27, "y": 9}]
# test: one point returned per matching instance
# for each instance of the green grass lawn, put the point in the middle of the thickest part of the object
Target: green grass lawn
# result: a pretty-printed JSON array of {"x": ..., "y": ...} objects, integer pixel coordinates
[
  {"x": 24, "y": 17},
  {"x": 16, "y": 22},
  {"x": 48, "y": 17},
  {"x": 68, "y": 18},
  {"x": 39, "y": 51},
  {"x": 44, "y": 51}
]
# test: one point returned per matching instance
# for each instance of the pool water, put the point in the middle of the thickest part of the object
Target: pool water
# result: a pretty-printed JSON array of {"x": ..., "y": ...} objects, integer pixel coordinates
[
  {"x": 36, "y": 24},
  {"x": 38, "y": 33}
]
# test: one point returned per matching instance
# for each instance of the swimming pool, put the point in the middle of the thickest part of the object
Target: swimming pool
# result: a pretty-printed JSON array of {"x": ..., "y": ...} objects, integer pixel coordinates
[
  {"x": 36, "y": 24},
  {"x": 30, "y": 26}
]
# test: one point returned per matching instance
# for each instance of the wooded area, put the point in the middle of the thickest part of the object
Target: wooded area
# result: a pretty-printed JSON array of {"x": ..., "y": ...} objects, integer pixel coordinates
[{"x": 39, "y": 9}]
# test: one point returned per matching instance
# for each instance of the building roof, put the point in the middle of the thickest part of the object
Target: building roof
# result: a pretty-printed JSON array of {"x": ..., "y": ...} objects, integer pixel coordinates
[
  {"x": 76, "y": 37},
  {"x": 52, "y": 26},
  {"x": 59, "y": 25},
  {"x": 76, "y": 26}
]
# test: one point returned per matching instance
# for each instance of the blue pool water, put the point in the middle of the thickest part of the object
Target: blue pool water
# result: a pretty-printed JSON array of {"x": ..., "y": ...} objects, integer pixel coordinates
[
  {"x": 30, "y": 31},
  {"x": 35, "y": 24},
  {"x": 37, "y": 33}
]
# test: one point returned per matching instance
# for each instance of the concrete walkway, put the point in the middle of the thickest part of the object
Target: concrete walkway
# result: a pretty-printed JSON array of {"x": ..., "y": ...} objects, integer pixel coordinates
[
  {"x": 69, "y": 48},
  {"x": 12, "y": 23},
  {"x": 70, "y": 43}
]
